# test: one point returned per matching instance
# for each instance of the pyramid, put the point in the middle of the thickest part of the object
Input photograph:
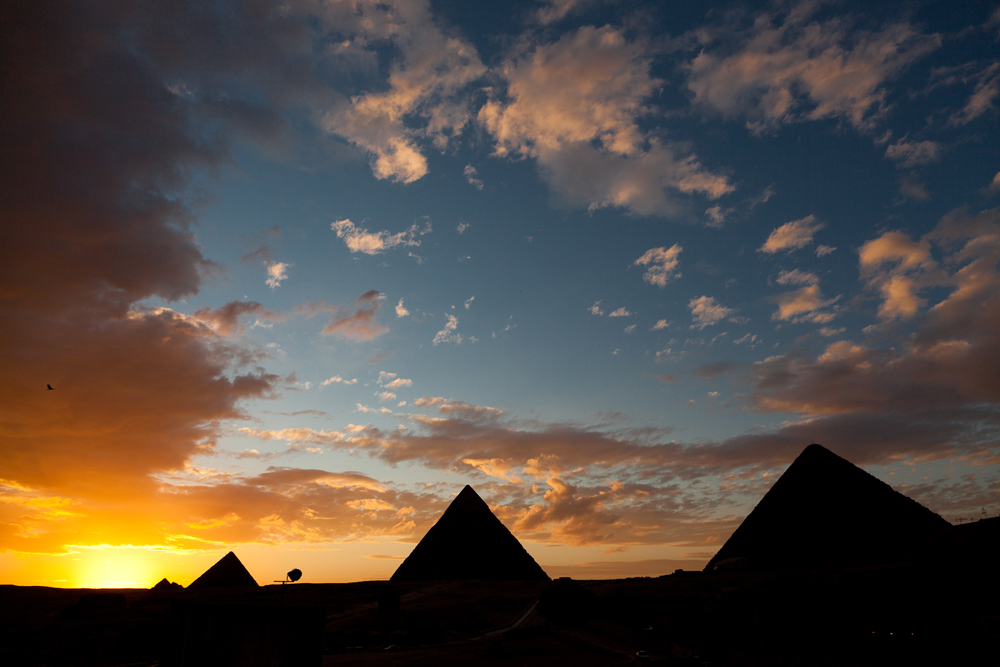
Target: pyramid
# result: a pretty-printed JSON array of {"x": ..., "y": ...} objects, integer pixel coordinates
[
  {"x": 165, "y": 585},
  {"x": 824, "y": 509},
  {"x": 469, "y": 542},
  {"x": 227, "y": 573}
]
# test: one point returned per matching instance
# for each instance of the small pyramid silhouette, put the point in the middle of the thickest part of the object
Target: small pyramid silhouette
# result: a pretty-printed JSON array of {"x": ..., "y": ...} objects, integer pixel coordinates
[
  {"x": 165, "y": 585},
  {"x": 469, "y": 542},
  {"x": 824, "y": 509},
  {"x": 227, "y": 573}
]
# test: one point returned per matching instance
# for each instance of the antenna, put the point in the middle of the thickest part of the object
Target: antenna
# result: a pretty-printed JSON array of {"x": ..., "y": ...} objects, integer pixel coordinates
[{"x": 985, "y": 515}]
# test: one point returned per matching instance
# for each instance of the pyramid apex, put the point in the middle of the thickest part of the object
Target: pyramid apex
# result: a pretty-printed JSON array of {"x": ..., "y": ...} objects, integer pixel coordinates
[{"x": 468, "y": 542}]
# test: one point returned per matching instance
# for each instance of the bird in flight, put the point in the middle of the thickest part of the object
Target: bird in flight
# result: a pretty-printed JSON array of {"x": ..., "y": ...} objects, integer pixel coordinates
[{"x": 49, "y": 387}]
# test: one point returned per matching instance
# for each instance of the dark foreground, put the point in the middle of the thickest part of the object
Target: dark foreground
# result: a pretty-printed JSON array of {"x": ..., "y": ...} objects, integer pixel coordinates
[{"x": 940, "y": 610}]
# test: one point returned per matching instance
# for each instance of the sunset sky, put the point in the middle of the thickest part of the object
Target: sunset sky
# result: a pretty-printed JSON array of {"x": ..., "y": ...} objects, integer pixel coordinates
[{"x": 299, "y": 271}]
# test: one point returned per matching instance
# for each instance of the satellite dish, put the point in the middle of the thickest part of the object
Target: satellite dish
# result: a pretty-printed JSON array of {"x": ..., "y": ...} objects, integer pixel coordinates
[{"x": 295, "y": 575}]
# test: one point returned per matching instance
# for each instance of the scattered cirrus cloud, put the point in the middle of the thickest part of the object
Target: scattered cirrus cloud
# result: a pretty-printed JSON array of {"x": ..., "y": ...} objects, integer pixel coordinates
[
  {"x": 662, "y": 263},
  {"x": 791, "y": 67},
  {"x": 705, "y": 312},
  {"x": 448, "y": 333},
  {"x": 356, "y": 320},
  {"x": 913, "y": 153},
  {"x": 359, "y": 239},
  {"x": 793, "y": 235}
]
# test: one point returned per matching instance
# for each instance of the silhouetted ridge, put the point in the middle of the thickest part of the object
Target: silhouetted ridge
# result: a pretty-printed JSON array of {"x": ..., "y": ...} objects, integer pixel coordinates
[
  {"x": 469, "y": 542},
  {"x": 824, "y": 509},
  {"x": 228, "y": 572}
]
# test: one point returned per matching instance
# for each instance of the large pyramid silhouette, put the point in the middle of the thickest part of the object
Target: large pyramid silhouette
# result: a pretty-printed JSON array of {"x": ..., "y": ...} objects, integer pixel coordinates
[
  {"x": 227, "y": 573},
  {"x": 469, "y": 542},
  {"x": 824, "y": 509}
]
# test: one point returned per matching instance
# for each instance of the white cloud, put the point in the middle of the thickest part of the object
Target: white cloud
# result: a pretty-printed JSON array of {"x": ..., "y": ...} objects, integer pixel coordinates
[
  {"x": 276, "y": 272},
  {"x": 470, "y": 176},
  {"x": 596, "y": 309},
  {"x": 662, "y": 263},
  {"x": 386, "y": 396},
  {"x": 621, "y": 312},
  {"x": 913, "y": 153},
  {"x": 401, "y": 310},
  {"x": 630, "y": 328},
  {"x": 799, "y": 69},
  {"x": 661, "y": 324},
  {"x": 447, "y": 334},
  {"x": 336, "y": 379},
  {"x": 359, "y": 239},
  {"x": 705, "y": 312},
  {"x": 426, "y": 81},
  {"x": 574, "y": 105},
  {"x": 468, "y": 302},
  {"x": 462, "y": 226},
  {"x": 792, "y": 235},
  {"x": 399, "y": 382},
  {"x": 365, "y": 408}
]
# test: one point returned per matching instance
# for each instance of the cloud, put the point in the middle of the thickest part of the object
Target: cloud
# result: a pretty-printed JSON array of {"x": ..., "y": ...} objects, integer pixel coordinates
[
  {"x": 552, "y": 11},
  {"x": 462, "y": 226},
  {"x": 386, "y": 396},
  {"x": 355, "y": 321},
  {"x": 447, "y": 334},
  {"x": 468, "y": 302},
  {"x": 596, "y": 309},
  {"x": 913, "y": 153},
  {"x": 983, "y": 98},
  {"x": 621, "y": 312},
  {"x": 705, "y": 312},
  {"x": 359, "y": 239},
  {"x": 276, "y": 272},
  {"x": 574, "y": 105},
  {"x": 661, "y": 324},
  {"x": 662, "y": 263},
  {"x": 630, "y": 328},
  {"x": 898, "y": 268},
  {"x": 994, "y": 185},
  {"x": 429, "y": 72},
  {"x": 471, "y": 179},
  {"x": 797, "y": 277},
  {"x": 793, "y": 68},
  {"x": 401, "y": 311},
  {"x": 804, "y": 305},
  {"x": 823, "y": 250},
  {"x": 792, "y": 235},
  {"x": 95, "y": 166},
  {"x": 399, "y": 382},
  {"x": 336, "y": 379},
  {"x": 225, "y": 320}
]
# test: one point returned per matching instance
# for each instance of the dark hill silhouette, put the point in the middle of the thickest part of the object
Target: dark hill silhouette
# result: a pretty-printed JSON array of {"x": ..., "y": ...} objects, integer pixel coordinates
[
  {"x": 824, "y": 509},
  {"x": 165, "y": 585},
  {"x": 469, "y": 542},
  {"x": 227, "y": 573}
]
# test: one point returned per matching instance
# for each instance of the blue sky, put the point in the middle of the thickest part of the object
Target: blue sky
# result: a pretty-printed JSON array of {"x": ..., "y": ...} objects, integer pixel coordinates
[{"x": 613, "y": 264}]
